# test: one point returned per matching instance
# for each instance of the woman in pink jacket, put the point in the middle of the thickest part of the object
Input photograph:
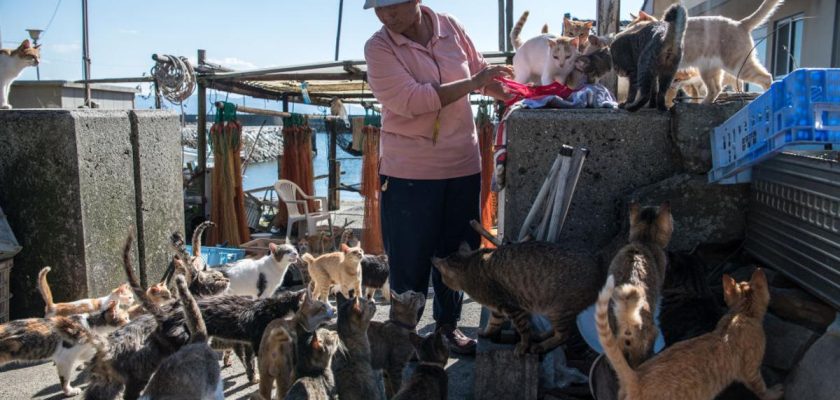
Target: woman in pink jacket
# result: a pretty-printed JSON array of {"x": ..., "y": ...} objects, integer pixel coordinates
[{"x": 422, "y": 67}]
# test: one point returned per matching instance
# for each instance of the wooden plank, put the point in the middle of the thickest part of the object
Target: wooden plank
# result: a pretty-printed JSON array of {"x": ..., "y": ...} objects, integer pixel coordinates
[
  {"x": 202, "y": 137},
  {"x": 608, "y": 23}
]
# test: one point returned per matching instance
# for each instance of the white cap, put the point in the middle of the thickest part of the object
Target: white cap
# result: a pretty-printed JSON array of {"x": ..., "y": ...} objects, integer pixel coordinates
[{"x": 382, "y": 3}]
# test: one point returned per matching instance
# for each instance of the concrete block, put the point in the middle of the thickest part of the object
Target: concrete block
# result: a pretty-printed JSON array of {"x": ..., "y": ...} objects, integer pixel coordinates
[
  {"x": 786, "y": 342},
  {"x": 628, "y": 150},
  {"x": 156, "y": 142},
  {"x": 703, "y": 213},
  {"x": 691, "y": 130},
  {"x": 67, "y": 185},
  {"x": 502, "y": 374},
  {"x": 815, "y": 377}
]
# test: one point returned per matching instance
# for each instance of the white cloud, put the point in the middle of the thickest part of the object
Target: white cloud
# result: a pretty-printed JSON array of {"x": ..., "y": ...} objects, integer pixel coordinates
[
  {"x": 63, "y": 48},
  {"x": 233, "y": 63}
]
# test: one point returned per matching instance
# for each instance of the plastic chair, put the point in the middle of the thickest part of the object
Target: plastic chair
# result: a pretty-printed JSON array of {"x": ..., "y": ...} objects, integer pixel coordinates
[{"x": 289, "y": 193}]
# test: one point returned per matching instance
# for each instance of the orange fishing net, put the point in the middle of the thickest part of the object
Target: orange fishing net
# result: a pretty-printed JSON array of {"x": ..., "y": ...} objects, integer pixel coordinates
[
  {"x": 227, "y": 198},
  {"x": 296, "y": 164},
  {"x": 372, "y": 228},
  {"x": 489, "y": 199}
]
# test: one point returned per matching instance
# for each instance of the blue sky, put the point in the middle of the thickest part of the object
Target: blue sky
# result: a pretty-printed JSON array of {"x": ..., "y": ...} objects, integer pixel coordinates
[{"x": 242, "y": 35}]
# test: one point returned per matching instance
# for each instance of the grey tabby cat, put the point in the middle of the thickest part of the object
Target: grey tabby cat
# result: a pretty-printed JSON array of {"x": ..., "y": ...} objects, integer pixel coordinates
[
  {"x": 389, "y": 341},
  {"x": 315, "y": 379},
  {"x": 193, "y": 371},
  {"x": 429, "y": 381},
  {"x": 521, "y": 279},
  {"x": 639, "y": 271},
  {"x": 353, "y": 372}
]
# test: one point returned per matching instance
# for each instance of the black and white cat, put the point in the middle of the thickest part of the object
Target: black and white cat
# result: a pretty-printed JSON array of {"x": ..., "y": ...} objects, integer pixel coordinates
[
  {"x": 12, "y": 64},
  {"x": 258, "y": 278}
]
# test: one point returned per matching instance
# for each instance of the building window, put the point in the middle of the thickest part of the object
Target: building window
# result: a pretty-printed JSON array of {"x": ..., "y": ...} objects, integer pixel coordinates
[
  {"x": 787, "y": 47},
  {"x": 760, "y": 39}
]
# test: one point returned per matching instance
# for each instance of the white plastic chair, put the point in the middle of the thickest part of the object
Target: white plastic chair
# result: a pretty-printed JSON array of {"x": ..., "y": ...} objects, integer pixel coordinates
[{"x": 289, "y": 193}]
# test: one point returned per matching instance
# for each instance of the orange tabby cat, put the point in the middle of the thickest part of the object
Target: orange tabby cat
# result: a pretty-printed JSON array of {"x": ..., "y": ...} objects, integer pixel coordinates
[
  {"x": 343, "y": 268},
  {"x": 699, "y": 368},
  {"x": 122, "y": 295},
  {"x": 577, "y": 29}
]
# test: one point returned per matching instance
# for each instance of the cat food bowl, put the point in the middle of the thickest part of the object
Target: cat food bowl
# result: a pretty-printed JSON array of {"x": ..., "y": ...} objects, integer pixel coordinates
[{"x": 586, "y": 325}]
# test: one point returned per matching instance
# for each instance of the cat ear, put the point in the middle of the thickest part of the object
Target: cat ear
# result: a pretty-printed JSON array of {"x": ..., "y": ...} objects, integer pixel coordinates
[
  {"x": 575, "y": 43},
  {"x": 633, "y": 16},
  {"x": 439, "y": 263},
  {"x": 315, "y": 343},
  {"x": 595, "y": 41},
  {"x": 758, "y": 279},
  {"x": 345, "y": 248},
  {"x": 731, "y": 293},
  {"x": 663, "y": 217},
  {"x": 588, "y": 26},
  {"x": 440, "y": 343},
  {"x": 112, "y": 305},
  {"x": 272, "y": 248},
  {"x": 24, "y": 45},
  {"x": 357, "y": 306},
  {"x": 464, "y": 249},
  {"x": 635, "y": 209}
]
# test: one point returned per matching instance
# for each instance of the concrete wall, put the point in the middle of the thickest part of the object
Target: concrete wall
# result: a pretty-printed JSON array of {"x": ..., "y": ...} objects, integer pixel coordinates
[
  {"x": 68, "y": 181},
  {"x": 69, "y": 95},
  {"x": 628, "y": 150}
]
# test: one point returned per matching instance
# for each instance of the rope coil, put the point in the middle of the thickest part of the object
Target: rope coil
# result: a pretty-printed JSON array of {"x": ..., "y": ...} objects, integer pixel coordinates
[{"x": 174, "y": 77}]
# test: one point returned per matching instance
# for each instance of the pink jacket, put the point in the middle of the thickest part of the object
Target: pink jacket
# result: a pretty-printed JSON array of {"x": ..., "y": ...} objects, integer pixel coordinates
[{"x": 400, "y": 73}]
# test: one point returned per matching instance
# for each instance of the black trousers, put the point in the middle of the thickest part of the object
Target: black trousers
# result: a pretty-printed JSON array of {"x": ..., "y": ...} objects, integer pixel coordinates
[{"x": 425, "y": 218}]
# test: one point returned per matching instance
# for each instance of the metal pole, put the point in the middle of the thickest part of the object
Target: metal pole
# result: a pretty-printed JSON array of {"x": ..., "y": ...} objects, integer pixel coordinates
[
  {"x": 502, "y": 33},
  {"x": 86, "y": 52},
  {"x": 508, "y": 23},
  {"x": 202, "y": 136},
  {"x": 37, "y": 66},
  {"x": 332, "y": 179},
  {"x": 338, "y": 31}
]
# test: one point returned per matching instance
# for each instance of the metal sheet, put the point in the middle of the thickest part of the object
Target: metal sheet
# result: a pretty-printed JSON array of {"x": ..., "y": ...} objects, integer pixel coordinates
[{"x": 794, "y": 221}]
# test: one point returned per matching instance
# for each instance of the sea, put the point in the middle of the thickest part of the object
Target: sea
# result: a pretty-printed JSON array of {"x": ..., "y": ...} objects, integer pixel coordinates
[{"x": 265, "y": 173}]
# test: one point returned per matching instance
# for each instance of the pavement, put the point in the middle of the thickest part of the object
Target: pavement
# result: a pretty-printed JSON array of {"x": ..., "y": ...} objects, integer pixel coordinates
[{"x": 40, "y": 381}]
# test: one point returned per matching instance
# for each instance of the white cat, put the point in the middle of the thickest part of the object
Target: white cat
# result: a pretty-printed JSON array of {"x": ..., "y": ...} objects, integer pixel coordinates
[
  {"x": 258, "y": 278},
  {"x": 12, "y": 63},
  {"x": 542, "y": 59}
]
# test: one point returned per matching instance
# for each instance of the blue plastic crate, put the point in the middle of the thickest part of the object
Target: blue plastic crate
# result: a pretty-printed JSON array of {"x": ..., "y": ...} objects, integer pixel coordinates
[
  {"x": 219, "y": 255},
  {"x": 800, "y": 112}
]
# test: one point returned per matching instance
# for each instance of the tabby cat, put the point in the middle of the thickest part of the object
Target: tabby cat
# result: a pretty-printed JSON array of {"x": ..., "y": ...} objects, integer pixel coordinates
[
  {"x": 639, "y": 271},
  {"x": 353, "y": 372},
  {"x": 733, "y": 352},
  {"x": 389, "y": 341},
  {"x": 649, "y": 56},
  {"x": 277, "y": 347},
  {"x": 315, "y": 379},
  {"x": 193, "y": 371},
  {"x": 517, "y": 280},
  {"x": 62, "y": 339},
  {"x": 429, "y": 381}
]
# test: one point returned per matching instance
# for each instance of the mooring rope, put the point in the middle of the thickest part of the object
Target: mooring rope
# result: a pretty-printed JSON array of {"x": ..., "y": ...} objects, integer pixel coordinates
[{"x": 175, "y": 78}]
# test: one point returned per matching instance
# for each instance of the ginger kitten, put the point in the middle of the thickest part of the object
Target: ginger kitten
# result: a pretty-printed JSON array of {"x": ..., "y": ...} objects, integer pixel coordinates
[
  {"x": 343, "y": 268},
  {"x": 121, "y": 295},
  {"x": 158, "y": 293},
  {"x": 699, "y": 368},
  {"x": 579, "y": 30},
  {"x": 720, "y": 45},
  {"x": 542, "y": 59},
  {"x": 12, "y": 64}
]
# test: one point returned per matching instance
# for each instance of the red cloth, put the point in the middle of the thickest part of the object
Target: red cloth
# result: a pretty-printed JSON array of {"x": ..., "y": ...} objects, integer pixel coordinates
[{"x": 523, "y": 91}]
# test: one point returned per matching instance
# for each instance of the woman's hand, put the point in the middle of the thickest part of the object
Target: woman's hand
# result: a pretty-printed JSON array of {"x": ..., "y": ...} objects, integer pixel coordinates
[{"x": 490, "y": 73}]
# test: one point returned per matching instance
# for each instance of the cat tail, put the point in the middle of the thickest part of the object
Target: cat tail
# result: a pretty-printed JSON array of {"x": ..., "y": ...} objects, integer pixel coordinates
[
  {"x": 627, "y": 377},
  {"x": 306, "y": 257},
  {"x": 192, "y": 314},
  {"x": 629, "y": 301},
  {"x": 517, "y": 29},
  {"x": 196, "y": 239},
  {"x": 44, "y": 288},
  {"x": 677, "y": 17},
  {"x": 760, "y": 16},
  {"x": 544, "y": 29},
  {"x": 136, "y": 287}
]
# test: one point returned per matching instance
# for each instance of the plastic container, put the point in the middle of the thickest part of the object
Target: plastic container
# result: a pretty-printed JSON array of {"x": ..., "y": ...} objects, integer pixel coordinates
[
  {"x": 800, "y": 112},
  {"x": 215, "y": 256},
  {"x": 5, "y": 295}
]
